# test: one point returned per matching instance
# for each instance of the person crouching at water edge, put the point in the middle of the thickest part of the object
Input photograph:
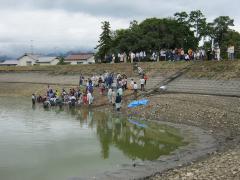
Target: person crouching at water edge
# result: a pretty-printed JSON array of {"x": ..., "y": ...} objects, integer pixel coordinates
[
  {"x": 89, "y": 98},
  {"x": 118, "y": 102}
]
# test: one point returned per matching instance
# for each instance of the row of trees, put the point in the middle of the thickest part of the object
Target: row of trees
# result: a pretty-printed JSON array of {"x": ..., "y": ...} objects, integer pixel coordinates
[{"x": 181, "y": 31}]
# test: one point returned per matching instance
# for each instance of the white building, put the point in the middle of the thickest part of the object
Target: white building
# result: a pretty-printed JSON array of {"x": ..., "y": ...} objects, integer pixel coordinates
[
  {"x": 9, "y": 63},
  {"x": 32, "y": 59},
  {"x": 47, "y": 61},
  {"x": 81, "y": 58},
  {"x": 28, "y": 60}
]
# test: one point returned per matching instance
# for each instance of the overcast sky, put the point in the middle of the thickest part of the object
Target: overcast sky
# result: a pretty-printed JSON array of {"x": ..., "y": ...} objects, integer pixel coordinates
[{"x": 63, "y": 25}]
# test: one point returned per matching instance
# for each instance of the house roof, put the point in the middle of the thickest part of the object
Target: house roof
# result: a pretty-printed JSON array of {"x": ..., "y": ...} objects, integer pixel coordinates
[
  {"x": 38, "y": 58},
  {"x": 9, "y": 62},
  {"x": 79, "y": 57},
  {"x": 32, "y": 56},
  {"x": 45, "y": 59}
]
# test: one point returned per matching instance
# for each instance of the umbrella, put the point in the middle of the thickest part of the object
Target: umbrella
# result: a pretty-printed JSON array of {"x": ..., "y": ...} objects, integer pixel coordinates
[{"x": 138, "y": 103}]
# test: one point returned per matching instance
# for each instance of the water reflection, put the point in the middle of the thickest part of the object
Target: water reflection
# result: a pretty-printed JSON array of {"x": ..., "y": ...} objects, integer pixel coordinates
[
  {"x": 61, "y": 142},
  {"x": 145, "y": 143},
  {"x": 33, "y": 106}
]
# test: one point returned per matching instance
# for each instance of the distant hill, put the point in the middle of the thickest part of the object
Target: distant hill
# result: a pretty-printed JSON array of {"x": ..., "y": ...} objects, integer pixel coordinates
[
  {"x": 67, "y": 53},
  {"x": 3, "y": 58}
]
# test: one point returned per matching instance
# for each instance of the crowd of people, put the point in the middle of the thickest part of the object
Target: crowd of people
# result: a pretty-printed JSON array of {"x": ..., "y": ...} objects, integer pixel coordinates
[
  {"x": 176, "y": 54},
  {"x": 109, "y": 84},
  {"x": 72, "y": 97}
]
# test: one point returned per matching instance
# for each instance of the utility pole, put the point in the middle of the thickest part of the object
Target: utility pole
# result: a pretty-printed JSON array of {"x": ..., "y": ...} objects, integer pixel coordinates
[
  {"x": 56, "y": 51},
  {"x": 31, "y": 47}
]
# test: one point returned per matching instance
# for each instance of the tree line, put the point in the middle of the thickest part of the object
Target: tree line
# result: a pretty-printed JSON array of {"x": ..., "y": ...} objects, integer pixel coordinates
[{"x": 183, "y": 30}]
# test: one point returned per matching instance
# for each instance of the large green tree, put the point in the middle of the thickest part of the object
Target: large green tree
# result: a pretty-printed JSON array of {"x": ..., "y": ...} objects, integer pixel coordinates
[
  {"x": 181, "y": 17},
  {"x": 198, "y": 22},
  {"x": 105, "y": 41},
  {"x": 220, "y": 28},
  {"x": 195, "y": 20},
  {"x": 153, "y": 34},
  {"x": 182, "y": 31}
]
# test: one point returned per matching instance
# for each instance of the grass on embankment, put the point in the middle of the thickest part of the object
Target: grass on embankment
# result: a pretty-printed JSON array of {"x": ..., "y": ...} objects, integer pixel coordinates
[
  {"x": 123, "y": 68},
  {"x": 200, "y": 69},
  {"x": 215, "y": 70}
]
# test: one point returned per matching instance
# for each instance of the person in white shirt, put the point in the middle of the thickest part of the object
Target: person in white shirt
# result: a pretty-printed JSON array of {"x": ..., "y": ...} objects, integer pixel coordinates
[
  {"x": 113, "y": 97},
  {"x": 110, "y": 94},
  {"x": 113, "y": 58},
  {"x": 93, "y": 78},
  {"x": 230, "y": 52},
  {"x": 132, "y": 56},
  {"x": 132, "y": 84},
  {"x": 122, "y": 57},
  {"x": 118, "y": 76},
  {"x": 141, "y": 55},
  {"x": 33, "y": 99},
  {"x": 197, "y": 57},
  {"x": 120, "y": 91},
  {"x": 118, "y": 57},
  {"x": 217, "y": 51},
  {"x": 89, "y": 98},
  {"x": 187, "y": 57},
  {"x": 142, "y": 81},
  {"x": 138, "y": 56},
  {"x": 162, "y": 54},
  {"x": 140, "y": 71}
]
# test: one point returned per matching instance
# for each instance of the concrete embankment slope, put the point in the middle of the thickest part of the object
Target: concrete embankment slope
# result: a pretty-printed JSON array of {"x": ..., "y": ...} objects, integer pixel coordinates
[
  {"x": 212, "y": 78},
  {"x": 205, "y": 86}
]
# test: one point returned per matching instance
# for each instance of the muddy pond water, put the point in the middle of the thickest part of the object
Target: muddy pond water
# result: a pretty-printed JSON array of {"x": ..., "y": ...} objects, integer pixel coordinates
[{"x": 64, "y": 143}]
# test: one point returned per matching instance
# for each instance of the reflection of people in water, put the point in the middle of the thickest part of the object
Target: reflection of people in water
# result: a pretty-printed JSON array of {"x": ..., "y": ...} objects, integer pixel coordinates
[
  {"x": 33, "y": 106},
  {"x": 84, "y": 115},
  {"x": 89, "y": 117}
]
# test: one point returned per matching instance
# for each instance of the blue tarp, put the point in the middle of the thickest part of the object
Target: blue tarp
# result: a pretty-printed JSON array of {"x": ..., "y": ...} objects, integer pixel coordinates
[
  {"x": 138, "y": 103},
  {"x": 138, "y": 123}
]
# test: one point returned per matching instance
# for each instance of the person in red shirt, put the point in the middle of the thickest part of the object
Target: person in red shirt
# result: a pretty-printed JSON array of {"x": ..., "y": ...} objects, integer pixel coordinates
[
  {"x": 85, "y": 100},
  {"x": 145, "y": 78}
]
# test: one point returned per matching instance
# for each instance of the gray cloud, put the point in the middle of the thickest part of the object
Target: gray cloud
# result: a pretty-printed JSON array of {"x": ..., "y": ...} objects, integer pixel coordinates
[
  {"x": 126, "y": 8},
  {"x": 76, "y": 23}
]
